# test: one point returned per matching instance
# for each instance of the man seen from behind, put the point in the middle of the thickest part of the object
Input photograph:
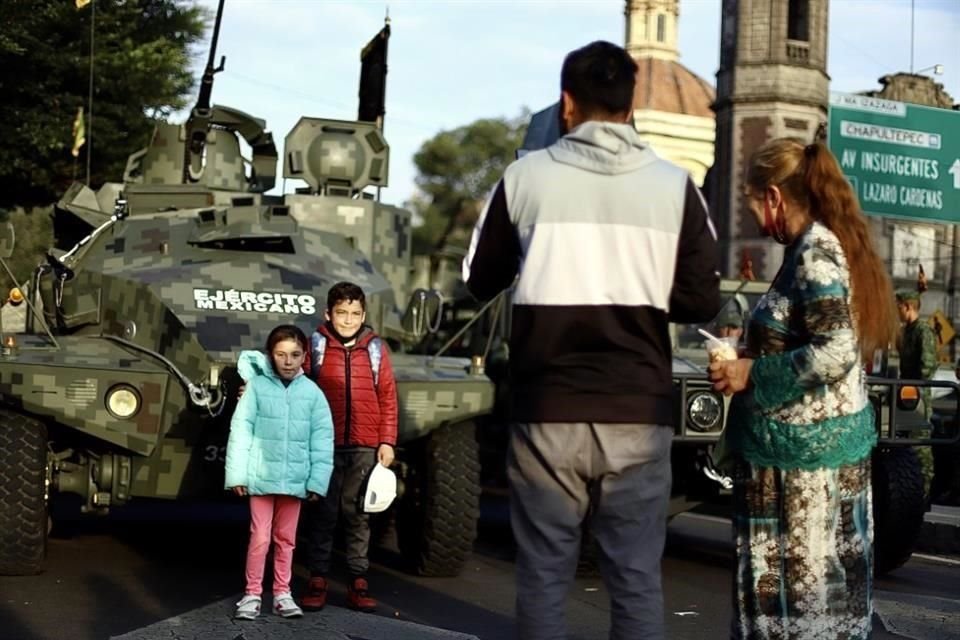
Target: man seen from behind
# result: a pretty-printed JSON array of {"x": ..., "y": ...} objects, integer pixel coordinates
[{"x": 610, "y": 243}]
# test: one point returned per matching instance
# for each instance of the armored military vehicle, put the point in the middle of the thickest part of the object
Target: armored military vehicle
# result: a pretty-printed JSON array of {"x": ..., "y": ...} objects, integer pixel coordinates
[{"x": 124, "y": 383}]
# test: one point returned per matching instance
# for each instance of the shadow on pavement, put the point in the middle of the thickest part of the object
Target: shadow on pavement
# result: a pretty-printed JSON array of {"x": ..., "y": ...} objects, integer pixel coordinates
[{"x": 11, "y": 612}]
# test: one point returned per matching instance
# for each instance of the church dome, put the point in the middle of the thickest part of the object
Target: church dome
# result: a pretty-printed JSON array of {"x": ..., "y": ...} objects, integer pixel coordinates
[{"x": 668, "y": 86}]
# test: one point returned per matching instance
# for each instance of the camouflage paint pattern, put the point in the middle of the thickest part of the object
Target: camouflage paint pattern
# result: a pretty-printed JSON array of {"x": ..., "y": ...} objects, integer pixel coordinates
[
  {"x": 380, "y": 231},
  {"x": 435, "y": 391},
  {"x": 70, "y": 385},
  {"x": 162, "y": 161},
  {"x": 336, "y": 155}
]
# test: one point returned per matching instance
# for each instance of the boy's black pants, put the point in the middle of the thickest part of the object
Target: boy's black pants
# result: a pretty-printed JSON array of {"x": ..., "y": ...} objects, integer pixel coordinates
[{"x": 344, "y": 498}]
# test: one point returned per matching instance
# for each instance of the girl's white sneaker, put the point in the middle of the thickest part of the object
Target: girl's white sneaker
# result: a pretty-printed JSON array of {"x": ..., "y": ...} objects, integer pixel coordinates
[
  {"x": 284, "y": 605},
  {"x": 248, "y": 608}
]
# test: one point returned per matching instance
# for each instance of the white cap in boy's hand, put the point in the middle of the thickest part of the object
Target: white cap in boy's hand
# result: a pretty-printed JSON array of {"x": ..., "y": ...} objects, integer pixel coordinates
[{"x": 381, "y": 489}]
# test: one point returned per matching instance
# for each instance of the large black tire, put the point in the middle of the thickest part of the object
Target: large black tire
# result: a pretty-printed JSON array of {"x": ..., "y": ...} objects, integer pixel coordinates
[
  {"x": 437, "y": 516},
  {"x": 23, "y": 500},
  {"x": 898, "y": 506}
]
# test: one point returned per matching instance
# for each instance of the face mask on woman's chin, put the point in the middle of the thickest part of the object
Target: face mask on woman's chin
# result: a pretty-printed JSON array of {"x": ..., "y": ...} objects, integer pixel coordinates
[{"x": 773, "y": 227}]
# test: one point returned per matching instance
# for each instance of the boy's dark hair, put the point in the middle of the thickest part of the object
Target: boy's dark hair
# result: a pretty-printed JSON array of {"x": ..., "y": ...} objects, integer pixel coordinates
[
  {"x": 286, "y": 332},
  {"x": 600, "y": 77},
  {"x": 345, "y": 291}
]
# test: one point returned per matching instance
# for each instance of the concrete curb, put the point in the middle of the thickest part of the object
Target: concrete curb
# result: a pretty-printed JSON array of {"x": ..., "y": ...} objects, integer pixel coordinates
[{"x": 941, "y": 531}]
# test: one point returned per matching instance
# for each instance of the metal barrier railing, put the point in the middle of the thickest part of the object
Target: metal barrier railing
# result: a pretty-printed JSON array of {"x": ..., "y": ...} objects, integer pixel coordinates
[{"x": 897, "y": 423}]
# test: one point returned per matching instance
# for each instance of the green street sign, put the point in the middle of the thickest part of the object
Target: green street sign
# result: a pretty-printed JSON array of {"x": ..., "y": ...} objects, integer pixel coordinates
[{"x": 902, "y": 159}]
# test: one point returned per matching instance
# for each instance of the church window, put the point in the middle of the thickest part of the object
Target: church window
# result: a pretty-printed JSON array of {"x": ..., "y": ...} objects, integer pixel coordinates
[
  {"x": 661, "y": 28},
  {"x": 798, "y": 20}
]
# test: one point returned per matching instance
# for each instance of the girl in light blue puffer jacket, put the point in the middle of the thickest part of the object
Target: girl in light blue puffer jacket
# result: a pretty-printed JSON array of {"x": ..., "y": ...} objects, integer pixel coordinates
[{"x": 280, "y": 451}]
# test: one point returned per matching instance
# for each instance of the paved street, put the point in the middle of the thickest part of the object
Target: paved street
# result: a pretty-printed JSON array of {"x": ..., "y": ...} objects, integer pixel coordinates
[{"x": 139, "y": 580}]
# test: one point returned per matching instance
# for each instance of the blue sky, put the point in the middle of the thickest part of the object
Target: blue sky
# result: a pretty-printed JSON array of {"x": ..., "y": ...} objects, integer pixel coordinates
[{"x": 453, "y": 61}]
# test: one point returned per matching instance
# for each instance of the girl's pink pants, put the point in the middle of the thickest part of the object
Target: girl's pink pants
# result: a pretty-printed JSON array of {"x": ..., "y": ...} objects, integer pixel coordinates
[{"x": 276, "y": 515}]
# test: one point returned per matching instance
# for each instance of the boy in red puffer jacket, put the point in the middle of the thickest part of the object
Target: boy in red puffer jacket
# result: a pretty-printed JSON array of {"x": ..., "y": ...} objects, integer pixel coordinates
[{"x": 351, "y": 365}]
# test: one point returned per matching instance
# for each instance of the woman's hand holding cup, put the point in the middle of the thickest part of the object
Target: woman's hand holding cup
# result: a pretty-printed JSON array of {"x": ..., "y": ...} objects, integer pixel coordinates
[{"x": 729, "y": 373}]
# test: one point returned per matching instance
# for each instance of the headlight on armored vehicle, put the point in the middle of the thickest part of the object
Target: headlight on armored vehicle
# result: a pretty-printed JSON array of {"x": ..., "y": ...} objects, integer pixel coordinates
[
  {"x": 123, "y": 401},
  {"x": 705, "y": 411}
]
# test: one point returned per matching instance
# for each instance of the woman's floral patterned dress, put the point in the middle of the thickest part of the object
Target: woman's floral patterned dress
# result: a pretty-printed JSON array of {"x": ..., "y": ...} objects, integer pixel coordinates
[{"x": 802, "y": 435}]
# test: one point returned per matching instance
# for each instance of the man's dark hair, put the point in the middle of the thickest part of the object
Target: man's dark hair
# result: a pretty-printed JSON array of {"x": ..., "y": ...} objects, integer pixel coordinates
[
  {"x": 600, "y": 77},
  {"x": 286, "y": 332},
  {"x": 345, "y": 291}
]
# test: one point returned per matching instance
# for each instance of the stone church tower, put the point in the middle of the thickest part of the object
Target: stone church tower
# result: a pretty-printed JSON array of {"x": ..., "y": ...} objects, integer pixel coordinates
[
  {"x": 671, "y": 104},
  {"x": 772, "y": 83}
]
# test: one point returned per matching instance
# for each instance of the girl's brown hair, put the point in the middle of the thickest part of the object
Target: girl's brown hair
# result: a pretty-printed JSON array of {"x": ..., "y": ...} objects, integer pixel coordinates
[
  {"x": 810, "y": 177},
  {"x": 286, "y": 332}
]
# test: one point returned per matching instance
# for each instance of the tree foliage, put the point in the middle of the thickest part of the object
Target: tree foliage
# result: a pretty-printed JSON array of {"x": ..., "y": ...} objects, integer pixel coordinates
[
  {"x": 141, "y": 71},
  {"x": 456, "y": 172}
]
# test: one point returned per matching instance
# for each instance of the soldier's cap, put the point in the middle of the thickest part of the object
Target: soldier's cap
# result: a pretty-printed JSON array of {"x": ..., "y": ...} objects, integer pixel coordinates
[
  {"x": 907, "y": 294},
  {"x": 15, "y": 296},
  {"x": 730, "y": 318}
]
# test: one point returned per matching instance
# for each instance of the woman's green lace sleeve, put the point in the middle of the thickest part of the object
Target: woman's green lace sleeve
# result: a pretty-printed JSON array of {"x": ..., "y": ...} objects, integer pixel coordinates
[{"x": 774, "y": 380}]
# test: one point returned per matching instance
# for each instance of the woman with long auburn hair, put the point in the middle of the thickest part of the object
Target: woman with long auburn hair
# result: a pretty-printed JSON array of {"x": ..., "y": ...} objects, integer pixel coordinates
[{"x": 801, "y": 427}]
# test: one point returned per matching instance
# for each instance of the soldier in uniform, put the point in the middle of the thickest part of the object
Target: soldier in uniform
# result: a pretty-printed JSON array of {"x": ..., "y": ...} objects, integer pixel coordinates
[
  {"x": 730, "y": 323},
  {"x": 917, "y": 345}
]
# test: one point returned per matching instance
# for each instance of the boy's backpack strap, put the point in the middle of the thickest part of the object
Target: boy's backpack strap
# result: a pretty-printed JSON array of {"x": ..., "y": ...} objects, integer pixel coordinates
[
  {"x": 318, "y": 345},
  {"x": 376, "y": 355}
]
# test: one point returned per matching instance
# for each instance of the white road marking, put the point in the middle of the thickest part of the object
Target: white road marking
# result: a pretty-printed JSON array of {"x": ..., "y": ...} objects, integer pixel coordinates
[
  {"x": 701, "y": 516},
  {"x": 940, "y": 559}
]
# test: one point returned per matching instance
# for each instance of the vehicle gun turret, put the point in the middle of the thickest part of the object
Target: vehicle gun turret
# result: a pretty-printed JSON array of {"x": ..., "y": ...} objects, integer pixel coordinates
[{"x": 204, "y": 150}]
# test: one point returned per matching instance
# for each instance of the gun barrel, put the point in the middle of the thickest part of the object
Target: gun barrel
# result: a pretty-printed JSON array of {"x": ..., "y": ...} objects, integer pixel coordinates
[
  {"x": 206, "y": 82},
  {"x": 216, "y": 35},
  {"x": 199, "y": 120}
]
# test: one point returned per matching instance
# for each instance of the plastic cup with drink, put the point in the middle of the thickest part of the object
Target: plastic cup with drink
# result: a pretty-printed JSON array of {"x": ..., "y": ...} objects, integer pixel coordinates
[{"x": 720, "y": 349}]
